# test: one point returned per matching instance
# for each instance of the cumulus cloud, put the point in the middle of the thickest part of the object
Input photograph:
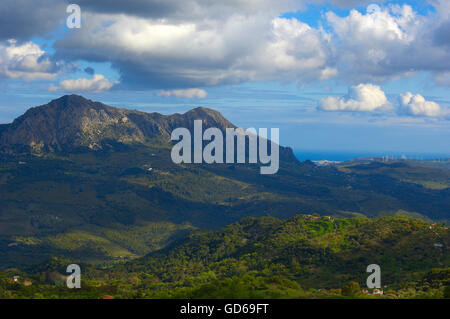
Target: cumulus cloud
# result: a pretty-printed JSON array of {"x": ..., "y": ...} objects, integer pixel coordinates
[
  {"x": 97, "y": 83},
  {"x": 164, "y": 54},
  {"x": 391, "y": 43},
  {"x": 25, "y": 61},
  {"x": 416, "y": 105},
  {"x": 156, "y": 44},
  {"x": 295, "y": 51},
  {"x": 360, "y": 98},
  {"x": 370, "y": 98},
  {"x": 175, "y": 44},
  {"x": 188, "y": 93}
]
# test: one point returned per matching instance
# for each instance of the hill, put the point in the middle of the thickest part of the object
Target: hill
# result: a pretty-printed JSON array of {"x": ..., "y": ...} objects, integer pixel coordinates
[
  {"x": 322, "y": 252},
  {"x": 306, "y": 256},
  {"x": 78, "y": 177}
]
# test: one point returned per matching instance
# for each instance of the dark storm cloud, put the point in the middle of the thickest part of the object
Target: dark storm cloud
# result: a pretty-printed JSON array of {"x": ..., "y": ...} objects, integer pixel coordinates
[
  {"x": 146, "y": 8},
  {"x": 442, "y": 34},
  {"x": 22, "y": 19},
  {"x": 192, "y": 8}
]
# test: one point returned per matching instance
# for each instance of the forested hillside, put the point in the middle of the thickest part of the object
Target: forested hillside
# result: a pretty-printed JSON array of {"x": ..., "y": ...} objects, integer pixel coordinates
[{"x": 305, "y": 256}]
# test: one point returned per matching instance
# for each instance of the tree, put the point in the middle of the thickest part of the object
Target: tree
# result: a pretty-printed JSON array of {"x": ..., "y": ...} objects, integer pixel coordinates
[
  {"x": 351, "y": 289},
  {"x": 447, "y": 292}
]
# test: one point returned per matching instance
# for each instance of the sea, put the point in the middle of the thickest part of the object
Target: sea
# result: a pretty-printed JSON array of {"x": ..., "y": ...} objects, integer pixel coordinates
[{"x": 318, "y": 155}]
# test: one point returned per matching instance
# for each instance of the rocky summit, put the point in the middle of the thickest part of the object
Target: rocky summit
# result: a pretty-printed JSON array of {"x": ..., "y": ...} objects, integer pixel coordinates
[{"x": 73, "y": 122}]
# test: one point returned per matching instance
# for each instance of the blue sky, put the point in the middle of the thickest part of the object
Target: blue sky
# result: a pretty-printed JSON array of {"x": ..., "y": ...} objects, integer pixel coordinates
[{"x": 329, "y": 74}]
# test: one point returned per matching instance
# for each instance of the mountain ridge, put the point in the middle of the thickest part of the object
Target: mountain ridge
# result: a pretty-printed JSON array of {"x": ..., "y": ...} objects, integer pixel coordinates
[{"x": 73, "y": 121}]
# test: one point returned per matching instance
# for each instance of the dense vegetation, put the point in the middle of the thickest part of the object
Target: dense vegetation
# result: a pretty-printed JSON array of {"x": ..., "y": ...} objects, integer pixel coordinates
[
  {"x": 306, "y": 256},
  {"x": 96, "y": 194}
]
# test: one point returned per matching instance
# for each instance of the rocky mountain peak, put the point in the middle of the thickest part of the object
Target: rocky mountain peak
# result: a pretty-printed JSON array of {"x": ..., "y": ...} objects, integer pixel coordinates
[{"x": 72, "y": 122}]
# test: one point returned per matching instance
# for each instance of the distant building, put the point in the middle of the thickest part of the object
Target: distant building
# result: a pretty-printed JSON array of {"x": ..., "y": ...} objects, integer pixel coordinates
[
  {"x": 312, "y": 217},
  {"x": 377, "y": 291},
  {"x": 325, "y": 162}
]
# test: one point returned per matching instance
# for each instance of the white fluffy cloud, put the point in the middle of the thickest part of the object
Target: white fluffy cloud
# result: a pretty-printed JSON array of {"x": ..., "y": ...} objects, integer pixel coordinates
[
  {"x": 188, "y": 93},
  {"x": 295, "y": 52},
  {"x": 392, "y": 43},
  {"x": 25, "y": 61},
  {"x": 171, "y": 44},
  {"x": 164, "y": 53},
  {"x": 416, "y": 105},
  {"x": 360, "y": 98},
  {"x": 159, "y": 45},
  {"x": 371, "y": 98},
  {"x": 97, "y": 83}
]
